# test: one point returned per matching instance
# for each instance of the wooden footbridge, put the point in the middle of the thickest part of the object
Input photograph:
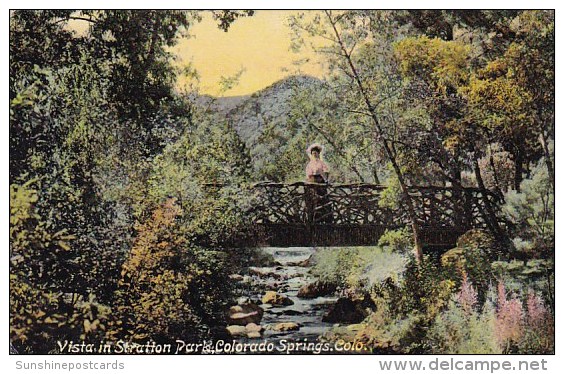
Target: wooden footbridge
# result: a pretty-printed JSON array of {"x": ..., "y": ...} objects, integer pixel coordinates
[{"x": 309, "y": 214}]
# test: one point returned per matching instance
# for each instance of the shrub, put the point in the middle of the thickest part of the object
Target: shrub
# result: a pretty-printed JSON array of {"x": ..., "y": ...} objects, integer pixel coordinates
[
  {"x": 358, "y": 267},
  {"x": 531, "y": 212},
  {"x": 461, "y": 328},
  {"x": 523, "y": 330},
  {"x": 169, "y": 288},
  {"x": 538, "y": 337},
  {"x": 206, "y": 171},
  {"x": 41, "y": 311},
  {"x": 400, "y": 241},
  {"x": 471, "y": 258}
]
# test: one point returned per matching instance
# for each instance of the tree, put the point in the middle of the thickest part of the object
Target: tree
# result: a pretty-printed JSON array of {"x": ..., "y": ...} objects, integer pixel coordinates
[
  {"x": 345, "y": 31},
  {"x": 88, "y": 114}
]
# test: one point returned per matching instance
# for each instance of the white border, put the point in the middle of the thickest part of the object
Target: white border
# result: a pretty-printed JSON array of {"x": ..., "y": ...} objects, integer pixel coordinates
[{"x": 268, "y": 364}]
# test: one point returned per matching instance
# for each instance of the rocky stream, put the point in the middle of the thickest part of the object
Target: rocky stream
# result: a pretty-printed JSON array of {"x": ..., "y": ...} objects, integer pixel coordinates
[{"x": 282, "y": 301}]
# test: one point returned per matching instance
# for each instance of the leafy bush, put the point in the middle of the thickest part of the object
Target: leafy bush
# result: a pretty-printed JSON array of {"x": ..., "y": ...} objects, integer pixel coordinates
[
  {"x": 361, "y": 268},
  {"x": 531, "y": 213},
  {"x": 207, "y": 170},
  {"x": 524, "y": 328},
  {"x": 40, "y": 314},
  {"x": 471, "y": 258},
  {"x": 400, "y": 241},
  {"x": 334, "y": 265},
  {"x": 503, "y": 324},
  {"x": 461, "y": 328},
  {"x": 169, "y": 288}
]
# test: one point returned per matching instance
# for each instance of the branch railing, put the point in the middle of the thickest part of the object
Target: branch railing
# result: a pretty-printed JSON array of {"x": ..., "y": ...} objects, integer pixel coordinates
[
  {"x": 362, "y": 204},
  {"x": 304, "y": 213}
]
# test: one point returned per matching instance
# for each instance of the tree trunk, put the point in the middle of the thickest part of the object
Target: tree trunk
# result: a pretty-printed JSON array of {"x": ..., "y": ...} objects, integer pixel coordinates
[
  {"x": 489, "y": 213},
  {"x": 418, "y": 248},
  {"x": 494, "y": 171},
  {"x": 375, "y": 175},
  {"x": 548, "y": 159},
  {"x": 518, "y": 178}
]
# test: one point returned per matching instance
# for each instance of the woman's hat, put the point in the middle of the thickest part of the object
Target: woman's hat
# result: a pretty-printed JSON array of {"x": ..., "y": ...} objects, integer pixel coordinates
[{"x": 317, "y": 146}]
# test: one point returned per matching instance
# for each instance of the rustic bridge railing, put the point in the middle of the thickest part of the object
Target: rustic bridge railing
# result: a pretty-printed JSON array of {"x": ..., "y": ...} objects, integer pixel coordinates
[{"x": 301, "y": 213}]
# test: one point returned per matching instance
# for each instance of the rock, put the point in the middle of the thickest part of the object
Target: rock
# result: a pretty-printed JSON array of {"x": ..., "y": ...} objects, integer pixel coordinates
[
  {"x": 268, "y": 327},
  {"x": 244, "y": 314},
  {"x": 253, "y": 330},
  {"x": 253, "y": 327},
  {"x": 264, "y": 272},
  {"x": 274, "y": 298},
  {"x": 316, "y": 289},
  {"x": 243, "y": 300},
  {"x": 236, "y": 330},
  {"x": 236, "y": 277},
  {"x": 286, "y": 326},
  {"x": 272, "y": 286},
  {"x": 255, "y": 300},
  {"x": 247, "y": 279},
  {"x": 304, "y": 263},
  {"x": 346, "y": 310},
  {"x": 284, "y": 288},
  {"x": 293, "y": 312}
]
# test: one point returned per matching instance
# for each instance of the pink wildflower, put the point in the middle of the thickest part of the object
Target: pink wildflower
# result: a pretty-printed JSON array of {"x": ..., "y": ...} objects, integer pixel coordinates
[
  {"x": 467, "y": 297},
  {"x": 537, "y": 312},
  {"x": 509, "y": 318}
]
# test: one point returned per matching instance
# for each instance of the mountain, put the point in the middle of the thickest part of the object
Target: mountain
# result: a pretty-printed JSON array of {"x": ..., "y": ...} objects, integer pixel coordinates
[
  {"x": 248, "y": 114},
  {"x": 251, "y": 115},
  {"x": 220, "y": 105}
]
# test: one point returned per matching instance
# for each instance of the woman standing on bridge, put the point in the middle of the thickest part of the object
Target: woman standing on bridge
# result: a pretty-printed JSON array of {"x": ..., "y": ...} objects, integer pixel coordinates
[{"x": 317, "y": 171}]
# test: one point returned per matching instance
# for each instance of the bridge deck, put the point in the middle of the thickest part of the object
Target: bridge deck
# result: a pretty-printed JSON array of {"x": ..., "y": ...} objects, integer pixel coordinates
[{"x": 301, "y": 214}]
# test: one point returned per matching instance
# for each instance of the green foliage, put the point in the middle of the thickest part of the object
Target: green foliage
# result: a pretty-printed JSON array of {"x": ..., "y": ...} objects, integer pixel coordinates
[
  {"x": 357, "y": 268},
  {"x": 89, "y": 116},
  {"x": 168, "y": 287},
  {"x": 398, "y": 241},
  {"x": 459, "y": 331},
  {"x": 206, "y": 170},
  {"x": 472, "y": 258},
  {"x": 391, "y": 196},
  {"x": 333, "y": 265},
  {"x": 531, "y": 211},
  {"x": 443, "y": 63},
  {"x": 38, "y": 315}
]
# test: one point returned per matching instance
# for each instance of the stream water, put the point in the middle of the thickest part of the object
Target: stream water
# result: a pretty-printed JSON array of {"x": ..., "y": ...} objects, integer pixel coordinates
[{"x": 286, "y": 278}]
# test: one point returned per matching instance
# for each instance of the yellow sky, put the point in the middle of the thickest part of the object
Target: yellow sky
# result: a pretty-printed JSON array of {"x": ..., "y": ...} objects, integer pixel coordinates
[{"x": 259, "y": 44}]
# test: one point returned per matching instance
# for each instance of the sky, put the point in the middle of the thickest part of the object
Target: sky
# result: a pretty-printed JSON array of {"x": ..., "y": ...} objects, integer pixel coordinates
[{"x": 259, "y": 45}]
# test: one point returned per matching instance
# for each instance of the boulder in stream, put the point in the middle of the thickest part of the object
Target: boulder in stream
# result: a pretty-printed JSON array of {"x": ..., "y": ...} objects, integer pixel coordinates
[
  {"x": 304, "y": 263},
  {"x": 346, "y": 310},
  {"x": 274, "y": 298},
  {"x": 265, "y": 272},
  {"x": 244, "y": 314},
  {"x": 287, "y": 326},
  {"x": 235, "y": 331},
  {"x": 316, "y": 289},
  {"x": 252, "y": 330},
  {"x": 236, "y": 277}
]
